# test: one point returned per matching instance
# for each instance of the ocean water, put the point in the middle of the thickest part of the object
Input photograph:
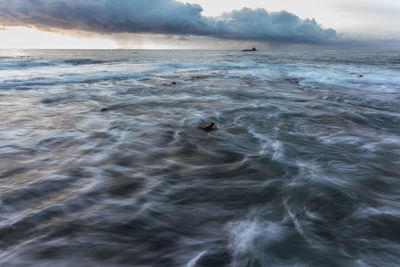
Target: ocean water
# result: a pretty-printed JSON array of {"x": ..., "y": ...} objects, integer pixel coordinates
[{"x": 102, "y": 162}]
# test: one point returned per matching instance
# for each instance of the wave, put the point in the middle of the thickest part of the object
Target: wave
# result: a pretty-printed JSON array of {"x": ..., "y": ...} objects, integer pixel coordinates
[
  {"x": 82, "y": 61},
  {"x": 7, "y": 63},
  {"x": 343, "y": 77}
]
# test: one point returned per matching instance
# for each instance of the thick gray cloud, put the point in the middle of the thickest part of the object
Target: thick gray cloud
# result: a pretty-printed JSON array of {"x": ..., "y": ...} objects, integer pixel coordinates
[{"x": 162, "y": 17}]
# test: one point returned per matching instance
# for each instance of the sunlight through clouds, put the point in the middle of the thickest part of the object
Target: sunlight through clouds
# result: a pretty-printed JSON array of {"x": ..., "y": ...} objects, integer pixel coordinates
[{"x": 23, "y": 37}]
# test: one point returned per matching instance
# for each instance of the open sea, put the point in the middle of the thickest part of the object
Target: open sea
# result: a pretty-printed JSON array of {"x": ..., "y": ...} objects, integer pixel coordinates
[{"x": 102, "y": 162}]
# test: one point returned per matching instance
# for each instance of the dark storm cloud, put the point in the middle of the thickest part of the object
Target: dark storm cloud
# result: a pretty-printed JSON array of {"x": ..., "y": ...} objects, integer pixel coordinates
[{"x": 162, "y": 17}]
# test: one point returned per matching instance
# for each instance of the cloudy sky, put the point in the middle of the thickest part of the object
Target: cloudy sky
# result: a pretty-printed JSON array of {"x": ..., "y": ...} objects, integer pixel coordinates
[{"x": 197, "y": 23}]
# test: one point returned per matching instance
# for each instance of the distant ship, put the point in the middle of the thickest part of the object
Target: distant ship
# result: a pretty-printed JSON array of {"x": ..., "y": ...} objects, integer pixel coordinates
[{"x": 250, "y": 50}]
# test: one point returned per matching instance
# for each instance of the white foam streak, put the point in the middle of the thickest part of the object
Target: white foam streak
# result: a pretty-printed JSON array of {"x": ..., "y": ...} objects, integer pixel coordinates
[{"x": 194, "y": 261}]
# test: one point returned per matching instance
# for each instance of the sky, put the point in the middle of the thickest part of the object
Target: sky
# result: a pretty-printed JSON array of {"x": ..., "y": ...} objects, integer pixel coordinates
[{"x": 169, "y": 24}]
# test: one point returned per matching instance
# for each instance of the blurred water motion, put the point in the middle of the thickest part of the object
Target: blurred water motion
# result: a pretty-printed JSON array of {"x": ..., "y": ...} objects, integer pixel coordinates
[{"x": 103, "y": 163}]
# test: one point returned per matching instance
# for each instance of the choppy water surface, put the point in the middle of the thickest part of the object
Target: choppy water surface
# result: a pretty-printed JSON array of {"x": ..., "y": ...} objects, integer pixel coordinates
[{"x": 103, "y": 164}]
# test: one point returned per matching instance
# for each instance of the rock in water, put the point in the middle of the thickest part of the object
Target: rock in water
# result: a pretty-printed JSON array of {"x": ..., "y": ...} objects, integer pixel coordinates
[
  {"x": 207, "y": 126},
  {"x": 250, "y": 50}
]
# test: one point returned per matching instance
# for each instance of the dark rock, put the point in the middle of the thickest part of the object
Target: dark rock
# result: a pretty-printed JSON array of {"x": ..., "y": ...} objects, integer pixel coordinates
[
  {"x": 197, "y": 77},
  {"x": 293, "y": 80},
  {"x": 250, "y": 50},
  {"x": 208, "y": 126}
]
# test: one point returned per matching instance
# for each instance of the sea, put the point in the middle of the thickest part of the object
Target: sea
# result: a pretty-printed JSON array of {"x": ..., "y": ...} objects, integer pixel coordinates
[{"x": 103, "y": 163}]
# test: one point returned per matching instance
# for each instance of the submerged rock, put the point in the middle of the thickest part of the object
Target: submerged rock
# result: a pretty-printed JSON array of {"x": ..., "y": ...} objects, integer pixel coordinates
[
  {"x": 208, "y": 126},
  {"x": 169, "y": 84}
]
